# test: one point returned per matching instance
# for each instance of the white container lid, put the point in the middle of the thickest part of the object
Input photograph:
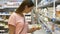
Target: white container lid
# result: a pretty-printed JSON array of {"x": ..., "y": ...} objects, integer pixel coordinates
[{"x": 58, "y": 8}]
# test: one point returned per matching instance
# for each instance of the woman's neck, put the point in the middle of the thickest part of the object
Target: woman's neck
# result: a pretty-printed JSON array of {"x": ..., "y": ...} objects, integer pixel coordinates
[{"x": 21, "y": 14}]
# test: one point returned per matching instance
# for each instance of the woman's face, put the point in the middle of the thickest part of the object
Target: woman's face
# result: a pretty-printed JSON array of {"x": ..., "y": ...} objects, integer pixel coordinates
[{"x": 28, "y": 9}]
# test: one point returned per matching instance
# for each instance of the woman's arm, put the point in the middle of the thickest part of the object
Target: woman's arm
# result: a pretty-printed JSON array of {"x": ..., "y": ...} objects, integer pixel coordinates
[
  {"x": 11, "y": 24},
  {"x": 11, "y": 29}
]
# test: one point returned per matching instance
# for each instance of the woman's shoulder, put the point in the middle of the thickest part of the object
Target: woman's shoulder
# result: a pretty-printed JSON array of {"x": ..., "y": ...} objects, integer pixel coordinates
[
  {"x": 13, "y": 15},
  {"x": 16, "y": 15}
]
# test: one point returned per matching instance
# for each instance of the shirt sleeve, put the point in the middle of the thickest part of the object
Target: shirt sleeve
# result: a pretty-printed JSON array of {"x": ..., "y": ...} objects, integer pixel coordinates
[{"x": 12, "y": 20}]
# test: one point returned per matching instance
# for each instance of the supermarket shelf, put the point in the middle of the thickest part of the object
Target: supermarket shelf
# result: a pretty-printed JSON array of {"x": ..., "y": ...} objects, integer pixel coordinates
[
  {"x": 6, "y": 26},
  {"x": 5, "y": 14},
  {"x": 1, "y": 25},
  {"x": 1, "y": 19},
  {"x": 5, "y": 20},
  {"x": 2, "y": 30},
  {"x": 46, "y": 24},
  {"x": 11, "y": 6},
  {"x": 46, "y": 5},
  {"x": 46, "y": 16},
  {"x": 56, "y": 21},
  {"x": 49, "y": 4},
  {"x": 1, "y": 7}
]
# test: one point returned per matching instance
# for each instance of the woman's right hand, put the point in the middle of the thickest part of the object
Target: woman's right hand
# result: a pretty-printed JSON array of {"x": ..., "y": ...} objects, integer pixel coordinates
[
  {"x": 38, "y": 27},
  {"x": 33, "y": 28}
]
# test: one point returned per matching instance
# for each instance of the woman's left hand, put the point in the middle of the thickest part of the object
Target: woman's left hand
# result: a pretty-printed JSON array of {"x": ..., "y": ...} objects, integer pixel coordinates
[{"x": 32, "y": 29}]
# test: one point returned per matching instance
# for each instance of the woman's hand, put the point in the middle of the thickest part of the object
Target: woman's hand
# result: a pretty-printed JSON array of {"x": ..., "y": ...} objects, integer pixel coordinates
[
  {"x": 33, "y": 28},
  {"x": 38, "y": 27}
]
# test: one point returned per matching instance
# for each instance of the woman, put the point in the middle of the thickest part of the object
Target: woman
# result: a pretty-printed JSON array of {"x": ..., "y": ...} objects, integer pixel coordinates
[{"x": 16, "y": 23}]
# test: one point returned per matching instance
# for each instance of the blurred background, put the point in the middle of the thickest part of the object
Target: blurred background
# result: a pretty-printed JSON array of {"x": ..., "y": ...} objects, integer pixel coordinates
[{"x": 45, "y": 14}]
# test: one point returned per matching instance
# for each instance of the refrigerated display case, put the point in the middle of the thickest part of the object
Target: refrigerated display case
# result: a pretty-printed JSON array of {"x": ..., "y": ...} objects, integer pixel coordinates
[{"x": 46, "y": 13}]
